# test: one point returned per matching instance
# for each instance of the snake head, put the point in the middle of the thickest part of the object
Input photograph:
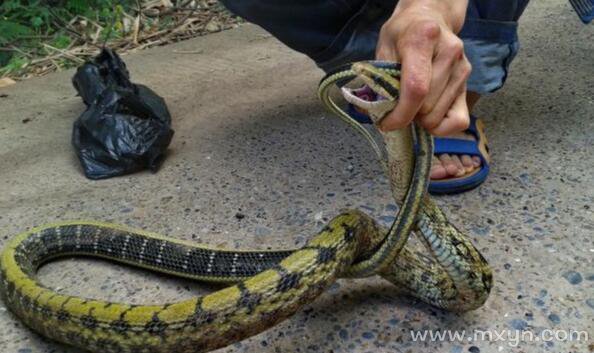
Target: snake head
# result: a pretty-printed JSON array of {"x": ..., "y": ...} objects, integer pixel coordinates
[
  {"x": 384, "y": 85},
  {"x": 378, "y": 80}
]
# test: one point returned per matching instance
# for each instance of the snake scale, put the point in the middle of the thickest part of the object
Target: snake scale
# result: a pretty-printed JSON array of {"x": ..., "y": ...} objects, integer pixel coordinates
[{"x": 265, "y": 287}]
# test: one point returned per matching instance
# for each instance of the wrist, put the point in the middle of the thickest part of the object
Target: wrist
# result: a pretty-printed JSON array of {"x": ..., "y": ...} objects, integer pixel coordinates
[{"x": 450, "y": 12}]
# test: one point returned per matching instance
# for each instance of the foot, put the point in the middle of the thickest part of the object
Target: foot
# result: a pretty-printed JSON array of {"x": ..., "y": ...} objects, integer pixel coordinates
[
  {"x": 444, "y": 165},
  {"x": 450, "y": 165},
  {"x": 453, "y": 166}
]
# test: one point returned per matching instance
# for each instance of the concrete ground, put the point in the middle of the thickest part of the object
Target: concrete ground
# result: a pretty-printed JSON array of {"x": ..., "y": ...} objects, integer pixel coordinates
[{"x": 252, "y": 138}]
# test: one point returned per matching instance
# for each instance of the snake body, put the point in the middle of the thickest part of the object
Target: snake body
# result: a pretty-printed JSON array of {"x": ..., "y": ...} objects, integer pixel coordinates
[{"x": 265, "y": 287}]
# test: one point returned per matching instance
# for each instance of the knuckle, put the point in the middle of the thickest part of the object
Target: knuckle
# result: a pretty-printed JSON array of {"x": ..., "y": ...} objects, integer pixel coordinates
[
  {"x": 455, "y": 47},
  {"x": 389, "y": 29},
  {"x": 466, "y": 68},
  {"x": 417, "y": 88},
  {"x": 429, "y": 29}
]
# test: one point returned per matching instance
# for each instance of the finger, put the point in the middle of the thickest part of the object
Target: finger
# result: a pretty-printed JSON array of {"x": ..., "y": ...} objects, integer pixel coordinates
[
  {"x": 386, "y": 51},
  {"x": 386, "y": 47},
  {"x": 457, "y": 118},
  {"x": 449, "y": 52},
  {"x": 456, "y": 85},
  {"x": 416, "y": 52}
]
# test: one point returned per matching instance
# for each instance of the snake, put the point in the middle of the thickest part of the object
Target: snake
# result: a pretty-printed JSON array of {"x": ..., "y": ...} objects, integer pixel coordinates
[{"x": 261, "y": 287}]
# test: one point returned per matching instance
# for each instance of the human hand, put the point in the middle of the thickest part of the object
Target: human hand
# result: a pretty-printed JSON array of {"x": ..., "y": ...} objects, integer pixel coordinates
[{"x": 421, "y": 35}]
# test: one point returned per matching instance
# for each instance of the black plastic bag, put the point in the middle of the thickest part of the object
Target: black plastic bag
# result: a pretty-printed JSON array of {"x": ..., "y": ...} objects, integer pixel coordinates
[{"x": 126, "y": 127}]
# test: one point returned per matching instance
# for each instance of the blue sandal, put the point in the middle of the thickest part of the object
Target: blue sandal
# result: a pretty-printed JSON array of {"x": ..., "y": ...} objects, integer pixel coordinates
[{"x": 456, "y": 146}]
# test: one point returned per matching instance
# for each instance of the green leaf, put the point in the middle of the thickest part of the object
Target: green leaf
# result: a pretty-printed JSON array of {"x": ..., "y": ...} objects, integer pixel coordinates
[
  {"x": 15, "y": 65},
  {"x": 61, "y": 41},
  {"x": 77, "y": 7},
  {"x": 10, "y": 5},
  {"x": 10, "y": 31},
  {"x": 36, "y": 22},
  {"x": 5, "y": 57}
]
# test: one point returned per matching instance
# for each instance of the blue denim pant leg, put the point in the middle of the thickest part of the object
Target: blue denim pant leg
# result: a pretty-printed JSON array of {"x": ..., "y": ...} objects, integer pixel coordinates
[
  {"x": 335, "y": 32},
  {"x": 491, "y": 41},
  {"x": 331, "y": 32},
  {"x": 308, "y": 26}
]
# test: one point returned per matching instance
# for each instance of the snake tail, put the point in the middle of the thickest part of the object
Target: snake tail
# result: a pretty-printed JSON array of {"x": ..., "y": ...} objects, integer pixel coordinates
[{"x": 276, "y": 285}]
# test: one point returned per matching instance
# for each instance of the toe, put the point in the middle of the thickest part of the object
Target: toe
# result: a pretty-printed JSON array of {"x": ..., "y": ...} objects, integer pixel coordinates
[
  {"x": 438, "y": 172},
  {"x": 451, "y": 165},
  {"x": 467, "y": 163},
  {"x": 448, "y": 164},
  {"x": 460, "y": 168}
]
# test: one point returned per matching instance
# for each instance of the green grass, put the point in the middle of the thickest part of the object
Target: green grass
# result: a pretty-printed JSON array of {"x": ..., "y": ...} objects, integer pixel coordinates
[{"x": 25, "y": 25}]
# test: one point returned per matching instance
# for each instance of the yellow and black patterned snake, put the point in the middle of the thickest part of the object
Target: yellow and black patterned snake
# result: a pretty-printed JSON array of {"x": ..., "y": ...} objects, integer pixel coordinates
[{"x": 265, "y": 287}]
